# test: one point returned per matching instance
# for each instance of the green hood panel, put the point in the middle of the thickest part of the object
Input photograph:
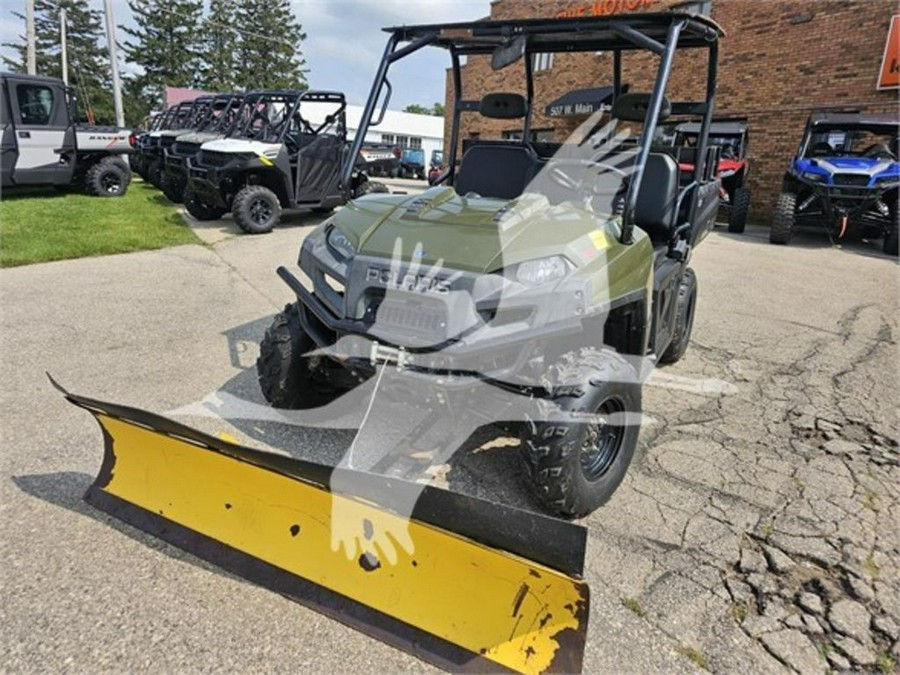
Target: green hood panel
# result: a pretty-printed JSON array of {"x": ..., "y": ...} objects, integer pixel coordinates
[{"x": 470, "y": 234}]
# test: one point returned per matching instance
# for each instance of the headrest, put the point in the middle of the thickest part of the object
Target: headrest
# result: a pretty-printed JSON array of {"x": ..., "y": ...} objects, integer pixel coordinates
[
  {"x": 633, "y": 107},
  {"x": 503, "y": 106}
]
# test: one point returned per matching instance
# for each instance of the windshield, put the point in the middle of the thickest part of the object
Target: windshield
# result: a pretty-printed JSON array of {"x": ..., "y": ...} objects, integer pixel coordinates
[{"x": 852, "y": 141}]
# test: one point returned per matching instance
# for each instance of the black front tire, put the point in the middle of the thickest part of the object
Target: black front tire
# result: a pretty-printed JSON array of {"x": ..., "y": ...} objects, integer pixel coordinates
[
  {"x": 173, "y": 187},
  {"x": 256, "y": 209},
  {"x": 108, "y": 178},
  {"x": 575, "y": 467},
  {"x": 200, "y": 209},
  {"x": 286, "y": 373},
  {"x": 740, "y": 205},
  {"x": 782, "y": 230},
  {"x": 685, "y": 305}
]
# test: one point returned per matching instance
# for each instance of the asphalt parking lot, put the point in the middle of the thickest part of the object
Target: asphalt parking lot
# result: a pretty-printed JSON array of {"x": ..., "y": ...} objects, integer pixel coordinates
[{"x": 756, "y": 529}]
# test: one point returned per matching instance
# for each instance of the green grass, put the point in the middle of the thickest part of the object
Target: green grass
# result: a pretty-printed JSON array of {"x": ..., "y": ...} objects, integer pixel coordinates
[
  {"x": 635, "y": 606},
  {"x": 694, "y": 655},
  {"x": 40, "y": 225}
]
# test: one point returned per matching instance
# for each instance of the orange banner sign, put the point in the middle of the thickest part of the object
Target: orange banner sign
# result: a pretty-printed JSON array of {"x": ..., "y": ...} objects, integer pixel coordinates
[
  {"x": 605, "y": 8},
  {"x": 889, "y": 76}
]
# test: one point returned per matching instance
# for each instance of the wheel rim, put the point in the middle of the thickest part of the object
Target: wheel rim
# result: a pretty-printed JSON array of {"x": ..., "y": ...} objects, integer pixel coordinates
[
  {"x": 260, "y": 211},
  {"x": 110, "y": 183},
  {"x": 603, "y": 441}
]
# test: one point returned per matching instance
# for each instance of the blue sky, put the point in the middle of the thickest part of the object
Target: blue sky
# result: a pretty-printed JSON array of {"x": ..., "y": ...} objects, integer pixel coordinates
[{"x": 344, "y": 42}]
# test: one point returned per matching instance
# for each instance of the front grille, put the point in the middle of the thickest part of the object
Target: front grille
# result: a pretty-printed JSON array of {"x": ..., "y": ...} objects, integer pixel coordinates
[
  {"x": 419, "y": 317},
  {"x": 183, "y": 148},
  {"x": 851, "y": 179},
  {"x": 211, "y": 158},
  {"x": 166, "y": 141}
]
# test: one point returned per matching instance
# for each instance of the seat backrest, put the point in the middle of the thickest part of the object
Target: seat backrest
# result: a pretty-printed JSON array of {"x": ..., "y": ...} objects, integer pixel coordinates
[
  {"x": 655, "y": 209},
  {"x": 497, "y": 171}
]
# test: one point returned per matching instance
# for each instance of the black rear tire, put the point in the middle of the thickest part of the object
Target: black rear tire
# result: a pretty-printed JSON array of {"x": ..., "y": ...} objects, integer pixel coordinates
[
  {"x": 285, "y": 372},
  {"x": 256, "y": 209},
  {"x": 782, "y": 230},
  {"x": 108, "y": 178},
  {"x": 574, "y": 467},
  {"x": 173, "y": 187},
  {"x": 684, "y": 318},
  {"x": 200, "y": 209},
  {"x": 368, "y": 187},
  {"x": 740, "y": 205}
]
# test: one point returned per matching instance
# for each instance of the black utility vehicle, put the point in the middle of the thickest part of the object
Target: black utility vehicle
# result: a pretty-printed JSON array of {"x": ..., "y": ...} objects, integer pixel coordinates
[
  {"x": 220, "y": 118},
  {"x": 187, "y": 117},
  {"x": 278, "y": 156}
]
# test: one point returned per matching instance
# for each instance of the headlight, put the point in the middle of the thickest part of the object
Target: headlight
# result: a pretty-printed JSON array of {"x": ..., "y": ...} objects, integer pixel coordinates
[
  {"x": 542, "y": 270},
  {"x": 882, "y": 180},
  {"x": 815, "y": 177},
  {"x": 339, "y": 243}
]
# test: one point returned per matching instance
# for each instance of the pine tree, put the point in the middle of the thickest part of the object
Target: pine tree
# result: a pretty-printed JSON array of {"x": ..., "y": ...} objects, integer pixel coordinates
[
  {"x": 218, "y": 49},
  {"x": 88, "y": 60},
  {"x": 268, "y": 54},
  {"x": 165, "y": 45}
]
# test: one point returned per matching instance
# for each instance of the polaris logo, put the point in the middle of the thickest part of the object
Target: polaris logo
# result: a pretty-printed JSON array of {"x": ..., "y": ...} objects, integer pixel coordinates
[{"x": 417, "y": 283}]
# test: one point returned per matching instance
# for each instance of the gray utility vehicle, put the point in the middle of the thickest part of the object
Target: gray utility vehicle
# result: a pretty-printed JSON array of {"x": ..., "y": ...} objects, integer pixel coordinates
[
  {"x": 536, "y": 277},
  {"x": 187, "y": 117},
  {"x": 221, "y": 117},
  {"x": 42, "y": 144},
  {"x": 278, "y": 156}
]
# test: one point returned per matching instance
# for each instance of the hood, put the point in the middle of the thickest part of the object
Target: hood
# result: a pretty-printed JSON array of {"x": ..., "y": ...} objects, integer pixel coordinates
[
  {"x": 199, "y": 137},
  {"x": 470, "y": 234},
  {"x": 866, "y": 165},
  {"x": 242, "y": 145}
]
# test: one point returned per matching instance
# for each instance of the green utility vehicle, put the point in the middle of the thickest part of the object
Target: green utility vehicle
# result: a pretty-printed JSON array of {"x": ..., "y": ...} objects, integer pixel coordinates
[{"x": 536, "y": 285}]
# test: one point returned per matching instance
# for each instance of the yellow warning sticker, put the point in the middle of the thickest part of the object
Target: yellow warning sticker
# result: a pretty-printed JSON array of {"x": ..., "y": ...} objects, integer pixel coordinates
[{"x": 599, "y": 239}]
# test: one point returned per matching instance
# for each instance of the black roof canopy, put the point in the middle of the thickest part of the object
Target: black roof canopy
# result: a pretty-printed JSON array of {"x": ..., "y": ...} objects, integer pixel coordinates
[
  {"x": 717, "y": 128},
  {"x": 882, "y": 122},
  {"x": 582, "y": 34}
]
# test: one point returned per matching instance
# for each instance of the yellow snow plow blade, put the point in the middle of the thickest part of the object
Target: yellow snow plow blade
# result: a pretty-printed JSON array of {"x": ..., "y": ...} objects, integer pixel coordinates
[{"x": 477, "y": 586}]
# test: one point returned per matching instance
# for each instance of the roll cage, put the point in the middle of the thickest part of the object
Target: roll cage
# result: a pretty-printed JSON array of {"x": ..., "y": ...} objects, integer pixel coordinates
[
  {"x": 660, "y": 33},
  {"x": 269, "y": 116}
]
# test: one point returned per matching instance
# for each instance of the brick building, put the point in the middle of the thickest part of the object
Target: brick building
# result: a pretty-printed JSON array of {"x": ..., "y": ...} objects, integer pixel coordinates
[{"x": 779, "y": 61}]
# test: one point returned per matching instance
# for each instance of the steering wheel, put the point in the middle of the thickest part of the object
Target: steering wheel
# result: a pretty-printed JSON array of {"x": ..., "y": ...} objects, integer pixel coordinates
[
  {"x": 878, "y": 151},
  {"x": 565, "y": 180}
]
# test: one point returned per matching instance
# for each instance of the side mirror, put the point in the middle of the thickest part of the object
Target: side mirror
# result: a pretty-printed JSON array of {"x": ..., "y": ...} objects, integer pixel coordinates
[{"x": 508, "y": 53}]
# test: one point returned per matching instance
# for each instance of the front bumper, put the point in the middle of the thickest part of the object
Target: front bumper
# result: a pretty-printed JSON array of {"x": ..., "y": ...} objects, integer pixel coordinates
[
  {"x": 855, "y": 202},
  {"x": 473, "y": 324}
]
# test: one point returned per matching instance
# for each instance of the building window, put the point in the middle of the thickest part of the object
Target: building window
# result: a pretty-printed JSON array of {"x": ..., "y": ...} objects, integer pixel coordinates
[
  {"x": 515, "y": 135},
  {"x": 541, "y": 62},
  {"x": 415, "y": 142},
  {"x": 387, "y": 138},
  {"x": 403, "y": 141}
]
